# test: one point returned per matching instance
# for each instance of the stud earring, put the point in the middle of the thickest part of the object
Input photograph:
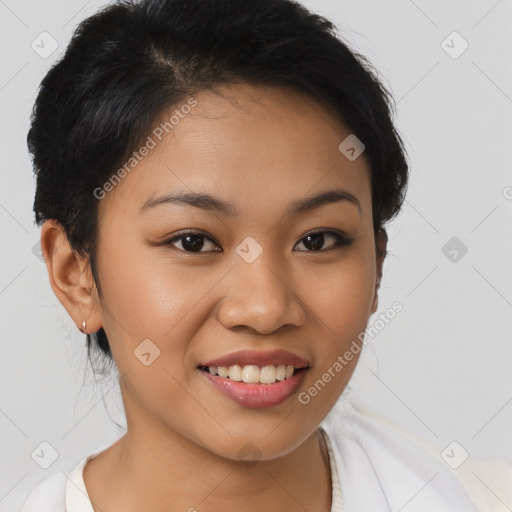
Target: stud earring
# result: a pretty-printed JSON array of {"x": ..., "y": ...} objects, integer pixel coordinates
[{"x": 83, "y": 327}]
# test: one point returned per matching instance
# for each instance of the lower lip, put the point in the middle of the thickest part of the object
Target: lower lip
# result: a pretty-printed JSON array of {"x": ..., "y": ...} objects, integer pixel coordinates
[{"x": 256, "y": 396}]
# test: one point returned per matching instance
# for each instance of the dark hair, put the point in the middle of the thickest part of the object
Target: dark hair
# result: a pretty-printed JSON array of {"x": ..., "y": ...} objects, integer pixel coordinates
[{"x": 130, "y": 62}]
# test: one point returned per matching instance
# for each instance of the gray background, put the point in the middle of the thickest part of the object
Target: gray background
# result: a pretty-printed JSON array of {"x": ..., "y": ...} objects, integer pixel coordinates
[{"x": 441, "y": 368}]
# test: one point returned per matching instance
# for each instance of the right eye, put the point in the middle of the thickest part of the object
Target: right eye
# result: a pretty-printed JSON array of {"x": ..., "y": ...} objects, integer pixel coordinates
[{"x": 191, "y": 241}]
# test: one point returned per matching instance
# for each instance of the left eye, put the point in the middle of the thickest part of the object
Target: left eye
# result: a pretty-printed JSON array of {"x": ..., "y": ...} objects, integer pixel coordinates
[
  {"x": 194, "y": 241},
  {"x": 316, "y": 240}
]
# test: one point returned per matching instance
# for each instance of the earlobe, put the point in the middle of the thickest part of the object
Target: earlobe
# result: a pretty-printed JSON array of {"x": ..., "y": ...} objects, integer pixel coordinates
[
  {"x": 381, "y": 241},
  {"x": 70, "y": 276}
]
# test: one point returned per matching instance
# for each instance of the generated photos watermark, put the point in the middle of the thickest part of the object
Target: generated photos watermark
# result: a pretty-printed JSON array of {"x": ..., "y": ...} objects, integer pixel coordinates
[{"x": 342, "y": 360}]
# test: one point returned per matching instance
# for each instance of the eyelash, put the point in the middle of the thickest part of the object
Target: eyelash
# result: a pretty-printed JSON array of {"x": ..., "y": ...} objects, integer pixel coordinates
[{"x": 341, "y": 240}]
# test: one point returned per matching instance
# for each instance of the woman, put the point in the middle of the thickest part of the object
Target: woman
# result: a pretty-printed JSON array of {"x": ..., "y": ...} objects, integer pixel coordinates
[{"x": 213, "y": 183}]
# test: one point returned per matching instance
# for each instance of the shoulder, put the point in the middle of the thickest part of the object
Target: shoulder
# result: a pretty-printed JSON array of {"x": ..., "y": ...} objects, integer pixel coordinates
[
  {"x": 49, "y": 495},
  {"x": 399, "y": 464},
  {"x": 62, "y": 490}
]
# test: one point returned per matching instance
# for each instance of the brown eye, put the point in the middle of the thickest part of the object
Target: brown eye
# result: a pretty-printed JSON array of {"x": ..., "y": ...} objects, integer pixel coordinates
[
  {"x": 194, "y": 242},
  {"x": 315, "y": 241},
  {"x": 191, "y": 241}
]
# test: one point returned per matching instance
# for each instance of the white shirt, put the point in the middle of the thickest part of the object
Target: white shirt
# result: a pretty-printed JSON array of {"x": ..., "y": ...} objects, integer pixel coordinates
[{"x": 375, "y": 467}]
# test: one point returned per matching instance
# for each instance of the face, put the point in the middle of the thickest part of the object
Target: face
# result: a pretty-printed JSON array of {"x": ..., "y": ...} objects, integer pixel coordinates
[{"x": 188, "y": 286}]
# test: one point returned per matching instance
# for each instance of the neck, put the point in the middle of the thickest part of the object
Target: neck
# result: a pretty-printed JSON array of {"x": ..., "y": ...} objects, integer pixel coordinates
[{"x": 154, "y": 468}]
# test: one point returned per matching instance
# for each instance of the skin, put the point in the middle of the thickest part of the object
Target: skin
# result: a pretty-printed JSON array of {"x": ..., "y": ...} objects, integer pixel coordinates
[{"x": 260, "y": 148}]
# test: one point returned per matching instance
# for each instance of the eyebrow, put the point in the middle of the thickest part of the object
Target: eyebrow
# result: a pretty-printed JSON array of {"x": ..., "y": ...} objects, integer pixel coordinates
[{"x": 208, "y": 202}]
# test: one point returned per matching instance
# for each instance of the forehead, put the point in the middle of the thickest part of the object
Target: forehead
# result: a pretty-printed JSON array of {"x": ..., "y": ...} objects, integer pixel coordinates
[{"x": 256, "y": 146}]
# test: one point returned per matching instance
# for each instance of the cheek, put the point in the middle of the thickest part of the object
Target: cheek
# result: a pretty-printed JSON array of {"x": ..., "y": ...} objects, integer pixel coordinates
[
  {"x": 350, "y": 308},
  {"x": 341, "y": 306},
  {"x": 158, "y": 300},
  {"x": 341, "y": 295},
  {"x": 146, "y": 296}
]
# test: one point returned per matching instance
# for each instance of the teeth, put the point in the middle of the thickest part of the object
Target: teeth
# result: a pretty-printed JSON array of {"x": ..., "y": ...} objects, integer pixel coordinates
[
  {"x": 252, "y": 374},
  {"x": 268, "y": 374},
  {"x": 222, "y": 371},
  {"x": 235, "y": 372}
]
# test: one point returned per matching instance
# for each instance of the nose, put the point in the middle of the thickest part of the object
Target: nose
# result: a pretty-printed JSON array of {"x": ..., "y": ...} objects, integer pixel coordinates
[{"x": 260, "y": 298}]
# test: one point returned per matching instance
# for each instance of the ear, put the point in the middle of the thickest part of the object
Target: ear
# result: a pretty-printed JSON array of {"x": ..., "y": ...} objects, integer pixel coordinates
[
  {"x": 70, "y": 277},
  {"x": 381, "y": 242}
]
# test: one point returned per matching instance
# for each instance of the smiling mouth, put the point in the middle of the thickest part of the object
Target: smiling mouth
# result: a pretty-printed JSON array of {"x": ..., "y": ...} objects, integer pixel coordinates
[{"x": 254, "y": 374}]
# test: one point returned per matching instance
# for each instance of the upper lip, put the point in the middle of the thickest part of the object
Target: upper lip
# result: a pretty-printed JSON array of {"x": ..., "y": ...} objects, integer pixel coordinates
[{"x": 246, "y": 357}]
